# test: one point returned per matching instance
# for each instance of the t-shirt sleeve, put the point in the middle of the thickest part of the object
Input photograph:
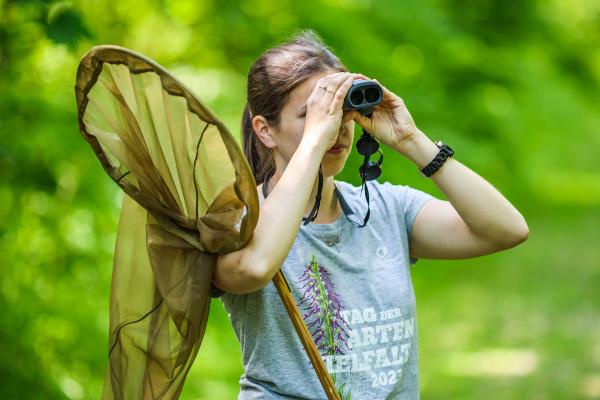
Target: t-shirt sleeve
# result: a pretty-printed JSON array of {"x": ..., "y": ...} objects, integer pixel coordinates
[{"x": 409, "y": 203}]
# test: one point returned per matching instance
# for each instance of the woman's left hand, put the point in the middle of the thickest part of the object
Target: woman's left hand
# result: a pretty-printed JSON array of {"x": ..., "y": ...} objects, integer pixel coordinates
[{"x": 390, "y": 123}]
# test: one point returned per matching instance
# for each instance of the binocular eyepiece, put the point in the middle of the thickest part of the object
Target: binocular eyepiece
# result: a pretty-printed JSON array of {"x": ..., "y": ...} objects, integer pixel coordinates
[{"x": 363, "y": 96}]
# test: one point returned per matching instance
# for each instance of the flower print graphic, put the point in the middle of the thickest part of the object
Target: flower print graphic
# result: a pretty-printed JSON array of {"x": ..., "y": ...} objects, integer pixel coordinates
[{"x": 322, "y": 313}]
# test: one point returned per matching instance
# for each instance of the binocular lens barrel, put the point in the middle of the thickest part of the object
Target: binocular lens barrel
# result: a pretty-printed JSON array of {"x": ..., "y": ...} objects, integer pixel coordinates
[
  {"x": 372, "y": 95},
  {"x": 356, "y": 98},
  {"x": 363, "y": 96}
]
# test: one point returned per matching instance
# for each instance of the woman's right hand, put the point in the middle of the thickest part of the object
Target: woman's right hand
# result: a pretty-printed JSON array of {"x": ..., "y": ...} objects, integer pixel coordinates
[{"x": 324, "y": 110}]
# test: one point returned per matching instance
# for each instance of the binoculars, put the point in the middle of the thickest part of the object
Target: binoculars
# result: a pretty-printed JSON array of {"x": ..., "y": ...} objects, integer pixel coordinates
[{"x": 363, "y": 96}]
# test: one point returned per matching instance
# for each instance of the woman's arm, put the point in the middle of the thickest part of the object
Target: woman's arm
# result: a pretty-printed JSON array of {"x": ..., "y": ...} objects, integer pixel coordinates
[
  {"x": 476, "y": 220},
  {"x": 252, "y": 267}
]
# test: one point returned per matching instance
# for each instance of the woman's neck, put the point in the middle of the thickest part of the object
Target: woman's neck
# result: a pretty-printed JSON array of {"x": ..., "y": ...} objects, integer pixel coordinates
[{"x": 329, "y": 208}]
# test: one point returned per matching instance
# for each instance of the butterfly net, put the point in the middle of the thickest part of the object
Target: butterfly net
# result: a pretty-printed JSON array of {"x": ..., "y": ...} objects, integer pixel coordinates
[{"x": 189, "y": 195}]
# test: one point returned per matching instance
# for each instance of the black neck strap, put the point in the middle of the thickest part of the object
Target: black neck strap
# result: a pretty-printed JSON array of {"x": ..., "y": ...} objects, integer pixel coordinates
[
  {"x": 315, "y": 210},
  {"x": 345, "y": 207},
  {"x": 348, "y": 211}
]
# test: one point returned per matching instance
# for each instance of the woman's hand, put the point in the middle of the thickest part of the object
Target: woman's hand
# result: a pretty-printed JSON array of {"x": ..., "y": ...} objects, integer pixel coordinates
[
  {"x": 324, "y": 109},
  {"x": 391, "y": 122}
]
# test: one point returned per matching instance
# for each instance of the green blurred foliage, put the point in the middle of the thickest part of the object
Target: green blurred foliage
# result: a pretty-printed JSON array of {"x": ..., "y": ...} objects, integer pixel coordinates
[{"x": 512, "y": 86}]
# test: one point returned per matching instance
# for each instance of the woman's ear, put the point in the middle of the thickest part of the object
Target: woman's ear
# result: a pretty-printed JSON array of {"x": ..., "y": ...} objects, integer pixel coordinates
[{"x": 263, "y": 131}]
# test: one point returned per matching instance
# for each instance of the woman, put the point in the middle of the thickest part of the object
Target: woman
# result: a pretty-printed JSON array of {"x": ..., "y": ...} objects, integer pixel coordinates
[{"x": 352, "y": 284}]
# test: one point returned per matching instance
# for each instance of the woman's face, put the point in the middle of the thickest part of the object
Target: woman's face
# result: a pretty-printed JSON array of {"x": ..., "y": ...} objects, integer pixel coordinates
[{"x": 288, "y": 134}]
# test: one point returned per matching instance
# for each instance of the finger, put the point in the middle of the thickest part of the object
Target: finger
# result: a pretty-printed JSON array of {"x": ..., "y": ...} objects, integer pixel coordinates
[
  {"x": 348, "y": 116},
  {"x": 328, "y": 79},
  {"x": 328, "y": 97},
  {"x": 337, "y": 81},
  {"x": 362, "y": 120},
  {"x": 323, "y": 85},
  {"x": 319, "y": 89},
  {"x": 341, "y": 92},
  {"x": 387, "y": 93},
  {"x": 361, "y": 76}
]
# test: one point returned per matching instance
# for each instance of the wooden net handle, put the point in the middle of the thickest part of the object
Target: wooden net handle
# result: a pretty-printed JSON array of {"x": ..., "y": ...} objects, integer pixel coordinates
[{"x": 285, "y": 293}]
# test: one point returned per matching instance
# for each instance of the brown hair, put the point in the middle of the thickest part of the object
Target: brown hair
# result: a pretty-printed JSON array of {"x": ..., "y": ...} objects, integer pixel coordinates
[{"x": 270, "y": 80}]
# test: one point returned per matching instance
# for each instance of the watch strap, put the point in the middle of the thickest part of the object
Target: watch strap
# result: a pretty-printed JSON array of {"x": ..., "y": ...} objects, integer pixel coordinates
[{"x": 440, "y": 158}]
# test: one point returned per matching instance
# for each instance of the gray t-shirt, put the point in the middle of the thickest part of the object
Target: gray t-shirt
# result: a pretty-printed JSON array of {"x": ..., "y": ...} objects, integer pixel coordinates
[{"x": 356, "y": 297}]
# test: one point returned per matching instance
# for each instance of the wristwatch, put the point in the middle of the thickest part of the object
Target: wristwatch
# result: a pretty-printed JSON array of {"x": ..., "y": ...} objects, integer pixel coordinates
[{"x": 441, "y": 157}]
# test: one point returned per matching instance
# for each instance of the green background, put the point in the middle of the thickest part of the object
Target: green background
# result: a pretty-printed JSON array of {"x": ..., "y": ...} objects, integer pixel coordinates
[{"x": 513, "y": 87}]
